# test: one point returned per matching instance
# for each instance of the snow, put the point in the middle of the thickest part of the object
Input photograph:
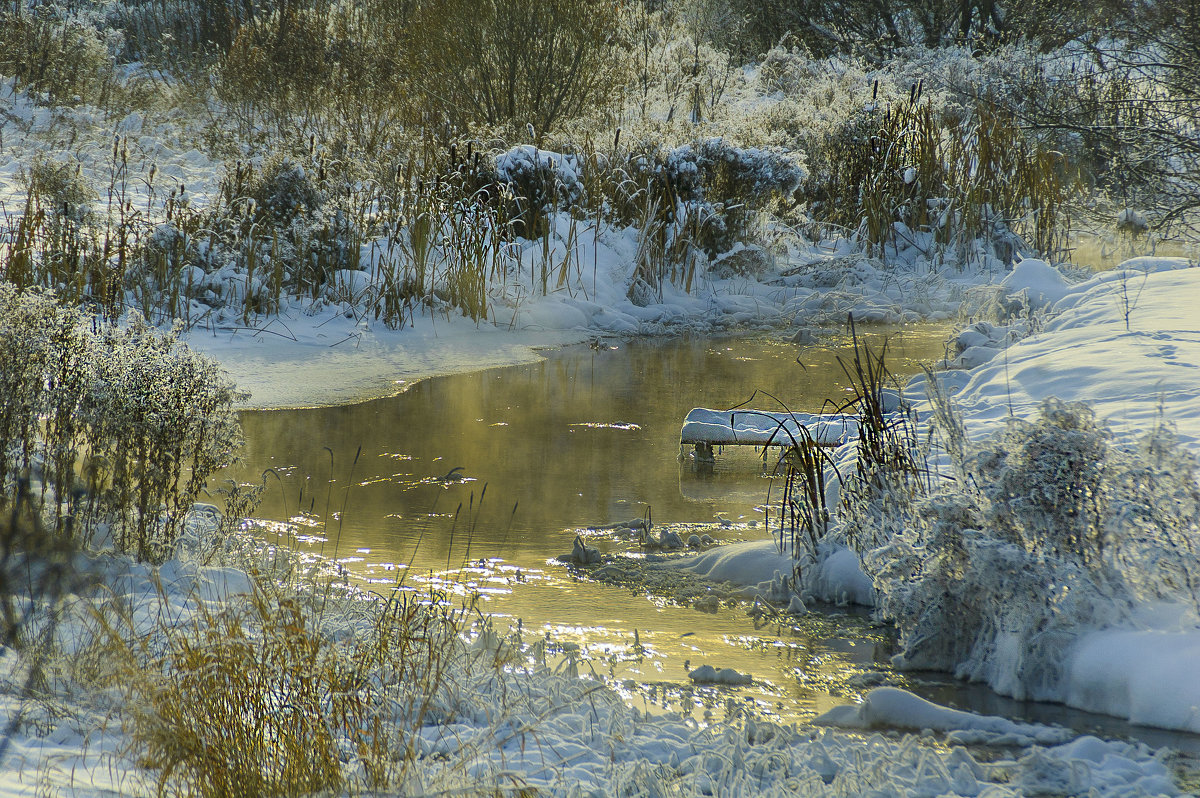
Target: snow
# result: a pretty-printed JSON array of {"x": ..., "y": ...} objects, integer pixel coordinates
[
  {"x": 758, "y": 427},
  {"x": 891, "y": 707},
  {"x": 1126, "y": 341},
  {"x": 707, "y": 674},
  {"x": 1130, "y": 376}
]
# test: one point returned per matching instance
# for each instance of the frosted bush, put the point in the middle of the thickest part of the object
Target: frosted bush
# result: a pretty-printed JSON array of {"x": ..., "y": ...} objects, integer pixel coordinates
[
  {"x": 285, "y": 188},
  {"x": 1047, "y": 529},
  {"x": 727, "y": 185},
  {"x": 123, "y": 425},
  {"x": 540, "y": 183},
  {"x": 541, "y": 177},
  {"x": 1044, "y": 482}
]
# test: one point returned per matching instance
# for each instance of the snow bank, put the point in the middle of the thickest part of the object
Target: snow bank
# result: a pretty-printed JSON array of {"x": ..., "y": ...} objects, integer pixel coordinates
[
  {"x": 1128, "y": 344},
  {"x": 1131, "y": 376},
  {"x": 891, "y": 707}
]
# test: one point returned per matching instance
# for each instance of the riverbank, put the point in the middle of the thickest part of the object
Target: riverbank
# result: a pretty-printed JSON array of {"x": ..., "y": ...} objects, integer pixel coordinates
[
  {"x": 306, "y": 357},
  {"x": 1126, "y": 344},
  {"x": 516, "y": 722}
]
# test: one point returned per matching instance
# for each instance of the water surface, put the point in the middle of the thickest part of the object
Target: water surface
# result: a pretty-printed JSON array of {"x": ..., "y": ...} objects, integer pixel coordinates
[{"x": 475, "y": 482}]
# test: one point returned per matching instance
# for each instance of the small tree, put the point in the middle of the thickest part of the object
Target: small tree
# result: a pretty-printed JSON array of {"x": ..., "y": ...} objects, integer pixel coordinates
[{"x": 512, "y": 62}]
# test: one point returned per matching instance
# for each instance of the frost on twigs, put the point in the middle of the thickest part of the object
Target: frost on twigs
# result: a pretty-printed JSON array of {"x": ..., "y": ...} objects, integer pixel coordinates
[
  {"x": 118, "y": 427},
  {"x": 1049, "y": 528}
]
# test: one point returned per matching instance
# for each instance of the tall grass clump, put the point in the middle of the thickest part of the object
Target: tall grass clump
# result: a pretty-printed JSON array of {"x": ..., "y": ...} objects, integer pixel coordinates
[
  {"x": 263, "y": 696},
  {"x": 120, "y": 426},
  {"x": 804, "y": 515},
  {"x": 909, "y": 175},
  {"x": 62, "y": 55},
  {"x": 885, "y": 473},
  {"x": 890, "y": 469}
]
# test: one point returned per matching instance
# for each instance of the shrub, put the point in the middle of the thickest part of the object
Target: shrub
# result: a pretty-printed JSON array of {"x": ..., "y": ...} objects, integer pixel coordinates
[
  {"x": 735, "y": 182},
  {"x": 124, "y": 425},
  {"x": 277, "y": 66},
  {"x": 512, "y": 63},
  {"x": 1045, "y": 483},
  {"x": 259, "y": 697},
  {"x": 540, "y": 183},
  {"x": 65, "y": 58},
  {"x": 283, "y": 188},
  {"x": 1047, "y": 528}
]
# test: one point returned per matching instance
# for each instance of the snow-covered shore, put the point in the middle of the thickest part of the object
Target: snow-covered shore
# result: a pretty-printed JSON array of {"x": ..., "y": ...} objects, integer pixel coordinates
[
  {"x": 571, "y": 736},
  {"x": 1142, "y": 666}
]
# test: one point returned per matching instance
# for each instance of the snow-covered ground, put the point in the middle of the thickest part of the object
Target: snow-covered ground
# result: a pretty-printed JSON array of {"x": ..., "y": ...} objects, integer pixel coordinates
[
  {"x": 573, "y": 736},
  {"x": 1143, "y": 666},
  {"x": 1128, "y": 342}
]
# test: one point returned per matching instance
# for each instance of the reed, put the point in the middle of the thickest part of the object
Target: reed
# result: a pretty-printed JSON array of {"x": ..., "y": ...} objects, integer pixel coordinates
[
  {"x": 892, "y": 472},
  {"x": 908, "y": 169}
]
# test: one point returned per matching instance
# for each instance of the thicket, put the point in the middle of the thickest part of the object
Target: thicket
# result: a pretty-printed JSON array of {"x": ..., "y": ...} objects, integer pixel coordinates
[
  {"x": 891, "y": 174},
  {"x": 61, "y": 55},
  {"x": 374, "y": 146},
  {"x": 263, "y": 696},
  {"x": 1052, "y": 525},
  {"x": 109, "y": 431}
]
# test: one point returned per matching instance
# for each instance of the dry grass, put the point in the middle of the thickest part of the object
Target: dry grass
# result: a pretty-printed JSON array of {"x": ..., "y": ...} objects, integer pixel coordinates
[
  {"x": 960, "y": 180},
  {"x": 259, "y": 697}
]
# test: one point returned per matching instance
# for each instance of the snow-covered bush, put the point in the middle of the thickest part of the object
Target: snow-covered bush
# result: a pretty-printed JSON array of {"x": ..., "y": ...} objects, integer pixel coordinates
[
  {"x": 718, "y": 187},
  {"x": 123, "y": 425},
  {"x": 540, "y": 182},
  {"x": 1048, "y": 528},
  {"x": 1043, "y": 483},
  {"x": 284, "y": 188},
  {"x": 56, "y": 53}
]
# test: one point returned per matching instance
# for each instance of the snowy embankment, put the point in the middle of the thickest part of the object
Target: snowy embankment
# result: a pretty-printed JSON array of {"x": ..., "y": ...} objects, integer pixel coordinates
[
  {"x": 1128, "y": 344},
  {"x": 303, "y": 357}
]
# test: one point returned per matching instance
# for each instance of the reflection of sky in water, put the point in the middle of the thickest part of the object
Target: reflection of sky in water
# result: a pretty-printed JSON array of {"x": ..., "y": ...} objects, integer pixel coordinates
[{"x": 510, "y": 460}]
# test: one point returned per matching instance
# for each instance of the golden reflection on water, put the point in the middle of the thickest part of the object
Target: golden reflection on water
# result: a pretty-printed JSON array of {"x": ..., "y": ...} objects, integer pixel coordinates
[
  {"x": 504, "y": 461},
  {"x": 474, "y": 483}
]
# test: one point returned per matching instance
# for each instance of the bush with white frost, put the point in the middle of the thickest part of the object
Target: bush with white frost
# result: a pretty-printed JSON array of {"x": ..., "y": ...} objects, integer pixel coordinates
[
  {"x": 1049, "y": 528},
  {"x": 119, "y": 427}
]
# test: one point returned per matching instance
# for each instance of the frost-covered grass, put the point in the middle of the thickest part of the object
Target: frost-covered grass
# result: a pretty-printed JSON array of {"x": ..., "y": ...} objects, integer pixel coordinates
[
  {"x": 235, "y": 664},
  {"x": 111, "y": 431},
  {"x": 1028, "y": 529}
]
